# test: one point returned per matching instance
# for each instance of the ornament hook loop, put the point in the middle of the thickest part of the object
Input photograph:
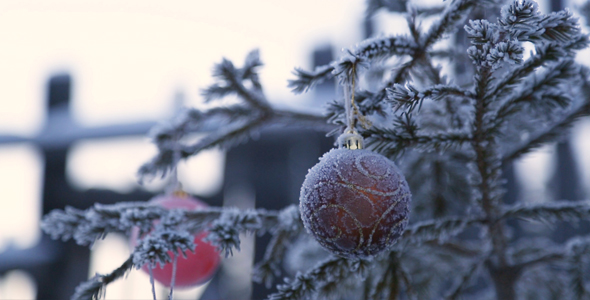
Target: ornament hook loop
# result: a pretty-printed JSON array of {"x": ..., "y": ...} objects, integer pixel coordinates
[{"x": 350, "y": 139}]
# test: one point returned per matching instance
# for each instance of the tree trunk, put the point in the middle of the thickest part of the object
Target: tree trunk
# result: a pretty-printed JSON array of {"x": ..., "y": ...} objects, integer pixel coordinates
[{"x": 504, "y": 280}]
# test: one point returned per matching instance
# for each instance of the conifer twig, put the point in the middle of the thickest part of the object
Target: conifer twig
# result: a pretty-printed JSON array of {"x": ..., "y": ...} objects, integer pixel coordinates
[
  {"x": 93, "y": 288},
  {"x": 551, "y": 134},
  {"x": 549, "y": 212},
  {"x": 465, "y": 279},
  {"x": 332, "y": 269}
]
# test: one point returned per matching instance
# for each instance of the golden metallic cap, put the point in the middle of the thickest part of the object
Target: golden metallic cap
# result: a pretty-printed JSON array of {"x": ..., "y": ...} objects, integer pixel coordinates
[{"x": 351, "y": 140}]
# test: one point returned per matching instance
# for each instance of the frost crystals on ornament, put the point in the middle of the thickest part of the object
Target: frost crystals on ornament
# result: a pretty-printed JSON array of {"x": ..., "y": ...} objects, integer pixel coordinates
[{"x": 355, "y": 202}]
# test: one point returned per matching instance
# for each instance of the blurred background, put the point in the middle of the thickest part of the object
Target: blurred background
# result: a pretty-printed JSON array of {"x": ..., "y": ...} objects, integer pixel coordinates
[{"x": 82, "y": 82}]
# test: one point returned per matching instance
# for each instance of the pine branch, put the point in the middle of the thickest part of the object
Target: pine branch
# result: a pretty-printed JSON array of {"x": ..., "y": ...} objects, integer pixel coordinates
[
  {"x": 368, "y": 50},
  {"x": 444, "y": 53},
  {"x": 487, "y": 166},
  {"x": 306, "y": 80},
  {"x": 225, "y": 139},
  {"x": 159, "y": 246},
  {"x": 569, "y": 258},
  {"x": 242, "y": 120},
  {"x": 523, "y": 21},
  {"x": 401, "y": 75},
  {"x": 553, "y": 133},
  {"x": 98, "y": 221},
  {"x": 374, "y": 49},
  {"x": 387, "y": 287},
  {"x": 393, "y": 142},
  {"x": 166, "y": 134},
  {"x": 389, "y": 283},
  {"x": 269, "y": 267},
  {"x": 225, "y": 230},
  {"x": 252, "y": 97},
  {"x": 438, "y": 230},
  {"x": 577, "y": 248},
  {"x": 249, "y": 70},
  {"x": 62, "y": 225},
  {"x": 432, "y": 72},
  {"x": 543, "y": 91},
  {"x": 172, "y": 233},
  {"x": 548, "y": 257},
  {"x": 95, "y": 223},
  {"x": 230, "y": 80},
  {"x": 539, "y": 252},
  {"x": 230, "y": 113},
  {"x": 94, "y": 288},
  {"x": 303, "y": 285},
  {"x": 457, "y": 248},
  {"x": 355, "y": 272},
  {"x": 528, "y": 252},
  {"x": 465, "y": 279},
  {"x": 549, "y": 212},
  {"x": 249, "y": 220},
  {"x": 163, "y": 161},
  {"x": 380, "y": 48},
  {"x": 578, "y": 283},
  {"x": 300, "y": 119},
  {"x": 545, "y": 53},
  {"x": 266, "y": 270},
  {"x": 555, "y": 36},
  {"x": 454, "y": 14},
  {"x": 405, "y": 278},
  {"x": 410, "y": 98}
]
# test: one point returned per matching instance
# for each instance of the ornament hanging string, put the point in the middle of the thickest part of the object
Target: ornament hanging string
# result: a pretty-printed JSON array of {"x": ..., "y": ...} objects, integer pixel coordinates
[
  {"x": 349, "y": 104},
  {"x": 174, "y": 186},
  {"x": 152, "y": 281},
  {"x": 174, "y": 263},
  {"x": 352, "y": 111}
]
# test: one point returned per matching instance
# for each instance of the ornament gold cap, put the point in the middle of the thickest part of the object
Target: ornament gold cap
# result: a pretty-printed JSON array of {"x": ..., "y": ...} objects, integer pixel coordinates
[
  {"x": 351, "y": 140},
  {"x": 180, "y": 193}
]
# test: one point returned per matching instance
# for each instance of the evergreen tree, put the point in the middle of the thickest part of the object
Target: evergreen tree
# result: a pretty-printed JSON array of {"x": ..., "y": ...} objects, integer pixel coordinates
[{"x": 451, "y": 132}]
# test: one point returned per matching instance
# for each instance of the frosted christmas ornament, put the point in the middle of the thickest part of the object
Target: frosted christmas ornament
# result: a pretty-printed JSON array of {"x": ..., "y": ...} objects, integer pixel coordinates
[
  {"x": 197, "y": 267},
  {"x": 355, "y": 202}
]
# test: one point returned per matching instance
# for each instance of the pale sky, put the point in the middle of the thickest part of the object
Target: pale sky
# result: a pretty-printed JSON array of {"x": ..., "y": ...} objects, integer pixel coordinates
[{"x": 145, "y": 51}]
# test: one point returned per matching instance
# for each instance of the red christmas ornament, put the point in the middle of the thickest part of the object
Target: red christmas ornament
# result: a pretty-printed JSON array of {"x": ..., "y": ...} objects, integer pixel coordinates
[
  {"x": 355, "y": 202},
  {"x": 197, "y": 267}
]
